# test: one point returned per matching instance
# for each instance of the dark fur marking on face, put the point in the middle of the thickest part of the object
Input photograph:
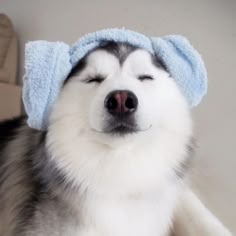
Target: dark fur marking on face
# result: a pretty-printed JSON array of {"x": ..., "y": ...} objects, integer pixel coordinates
[
  {"x": 121, "y": 127},
  {"x": 123, "y": 50},
  {"x": 158, "y": 63},
  {"x": 120, "y": 50},
  {"x": 77, "y": 69}
]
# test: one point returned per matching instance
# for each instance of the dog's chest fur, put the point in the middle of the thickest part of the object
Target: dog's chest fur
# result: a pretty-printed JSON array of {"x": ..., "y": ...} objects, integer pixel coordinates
[
  {"x": 134, "y": 215},
  {"x": 125, "y": 192},
  {"x": 92, "y": 216}
]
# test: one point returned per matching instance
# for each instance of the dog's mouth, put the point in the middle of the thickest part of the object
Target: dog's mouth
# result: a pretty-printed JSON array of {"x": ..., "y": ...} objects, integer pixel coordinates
[{"x": 122, "y": 129}]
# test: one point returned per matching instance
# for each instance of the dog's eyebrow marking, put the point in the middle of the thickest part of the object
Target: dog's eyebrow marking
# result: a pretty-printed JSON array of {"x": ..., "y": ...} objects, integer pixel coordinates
[
  {"x": 158, "y": 63},
  {"x": 120, "y": 50},
  {"x": 123, "y": 50},
  {"x": 78, "y": 68}
]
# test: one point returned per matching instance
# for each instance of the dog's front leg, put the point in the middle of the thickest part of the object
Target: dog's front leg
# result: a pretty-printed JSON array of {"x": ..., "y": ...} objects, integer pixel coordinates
[{"x": 192, "y": 218}]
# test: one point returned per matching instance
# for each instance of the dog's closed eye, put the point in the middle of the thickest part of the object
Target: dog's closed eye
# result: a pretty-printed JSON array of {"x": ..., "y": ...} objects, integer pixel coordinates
[
  {"x": 145, "y": 77},
  {"x": 96, "y": 79}
]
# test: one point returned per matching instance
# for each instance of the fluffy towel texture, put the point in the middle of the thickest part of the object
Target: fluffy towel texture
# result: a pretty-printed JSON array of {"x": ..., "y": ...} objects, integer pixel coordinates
[{"x": 48, "y": 65}]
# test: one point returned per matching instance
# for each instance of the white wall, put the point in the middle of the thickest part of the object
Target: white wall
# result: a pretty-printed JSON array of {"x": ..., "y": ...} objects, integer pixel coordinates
[{"x": 211, "y": 27}]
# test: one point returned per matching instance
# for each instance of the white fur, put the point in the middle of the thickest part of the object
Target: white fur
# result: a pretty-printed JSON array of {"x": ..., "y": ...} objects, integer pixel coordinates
[
  {"x": 192, "y": 218},
  {"x": 127, "y": 183}
]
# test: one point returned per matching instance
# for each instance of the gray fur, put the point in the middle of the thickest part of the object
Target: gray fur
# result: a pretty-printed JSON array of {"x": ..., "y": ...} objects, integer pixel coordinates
[
  {"x": 33, "y": 191},
  {"x": 29, "y": 182}
]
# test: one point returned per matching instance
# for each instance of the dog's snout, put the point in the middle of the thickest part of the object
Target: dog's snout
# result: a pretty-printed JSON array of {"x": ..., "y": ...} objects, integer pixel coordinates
[{"x": 121, "y": 102}]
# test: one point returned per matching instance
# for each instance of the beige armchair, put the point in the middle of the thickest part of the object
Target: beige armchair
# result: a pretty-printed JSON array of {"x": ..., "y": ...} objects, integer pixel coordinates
[{"x": 10, "y": 93}]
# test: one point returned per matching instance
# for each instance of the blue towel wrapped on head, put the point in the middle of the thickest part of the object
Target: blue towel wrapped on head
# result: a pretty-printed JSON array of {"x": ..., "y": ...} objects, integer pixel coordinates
[{"x": 47, "y": 65}]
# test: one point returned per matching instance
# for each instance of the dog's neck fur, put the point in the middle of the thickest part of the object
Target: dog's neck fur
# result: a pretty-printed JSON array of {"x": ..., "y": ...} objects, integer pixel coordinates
[{"x": 120, "y": 205}]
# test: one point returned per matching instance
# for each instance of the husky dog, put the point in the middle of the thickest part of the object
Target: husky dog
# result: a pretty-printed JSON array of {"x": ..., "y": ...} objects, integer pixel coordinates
[{"x": 113, "y": 159}]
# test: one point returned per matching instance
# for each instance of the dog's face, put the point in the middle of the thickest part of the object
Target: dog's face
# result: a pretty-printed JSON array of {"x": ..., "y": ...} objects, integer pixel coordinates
[
  {"x": 119, "y": 90},
  {"x": 119, "y": 108}
]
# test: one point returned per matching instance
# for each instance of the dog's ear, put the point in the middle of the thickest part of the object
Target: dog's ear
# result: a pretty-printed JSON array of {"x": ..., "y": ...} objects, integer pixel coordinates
[
  {"x": 47, "y": 64},
  {"x": 184, "y": 64}
]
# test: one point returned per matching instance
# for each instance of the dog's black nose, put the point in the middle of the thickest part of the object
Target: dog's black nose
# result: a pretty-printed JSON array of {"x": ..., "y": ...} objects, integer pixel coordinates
[{"x": 121, "y": 102}]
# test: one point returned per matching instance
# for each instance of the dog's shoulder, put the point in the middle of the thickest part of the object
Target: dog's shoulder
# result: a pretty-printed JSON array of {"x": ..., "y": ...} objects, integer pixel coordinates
[{"x": 19, "y": 190}]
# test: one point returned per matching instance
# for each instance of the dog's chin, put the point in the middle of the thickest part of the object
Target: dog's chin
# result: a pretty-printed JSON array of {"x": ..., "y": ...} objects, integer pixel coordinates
[
  {"x": 120, "y": 135},
  {"x": 116, "y": 136},
  {"x": 122, "y": 130},
  {"x": 117, "y": 129}
]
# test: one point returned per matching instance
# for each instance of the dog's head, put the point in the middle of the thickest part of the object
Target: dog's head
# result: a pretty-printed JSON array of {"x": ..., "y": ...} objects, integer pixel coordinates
[
  {"x": 119, "y": 107},
  {"x": 122, "y": 92}
]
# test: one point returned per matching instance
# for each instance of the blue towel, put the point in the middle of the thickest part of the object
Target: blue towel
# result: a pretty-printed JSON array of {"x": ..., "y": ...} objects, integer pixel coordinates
[{"x": 47, "y": 65}]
